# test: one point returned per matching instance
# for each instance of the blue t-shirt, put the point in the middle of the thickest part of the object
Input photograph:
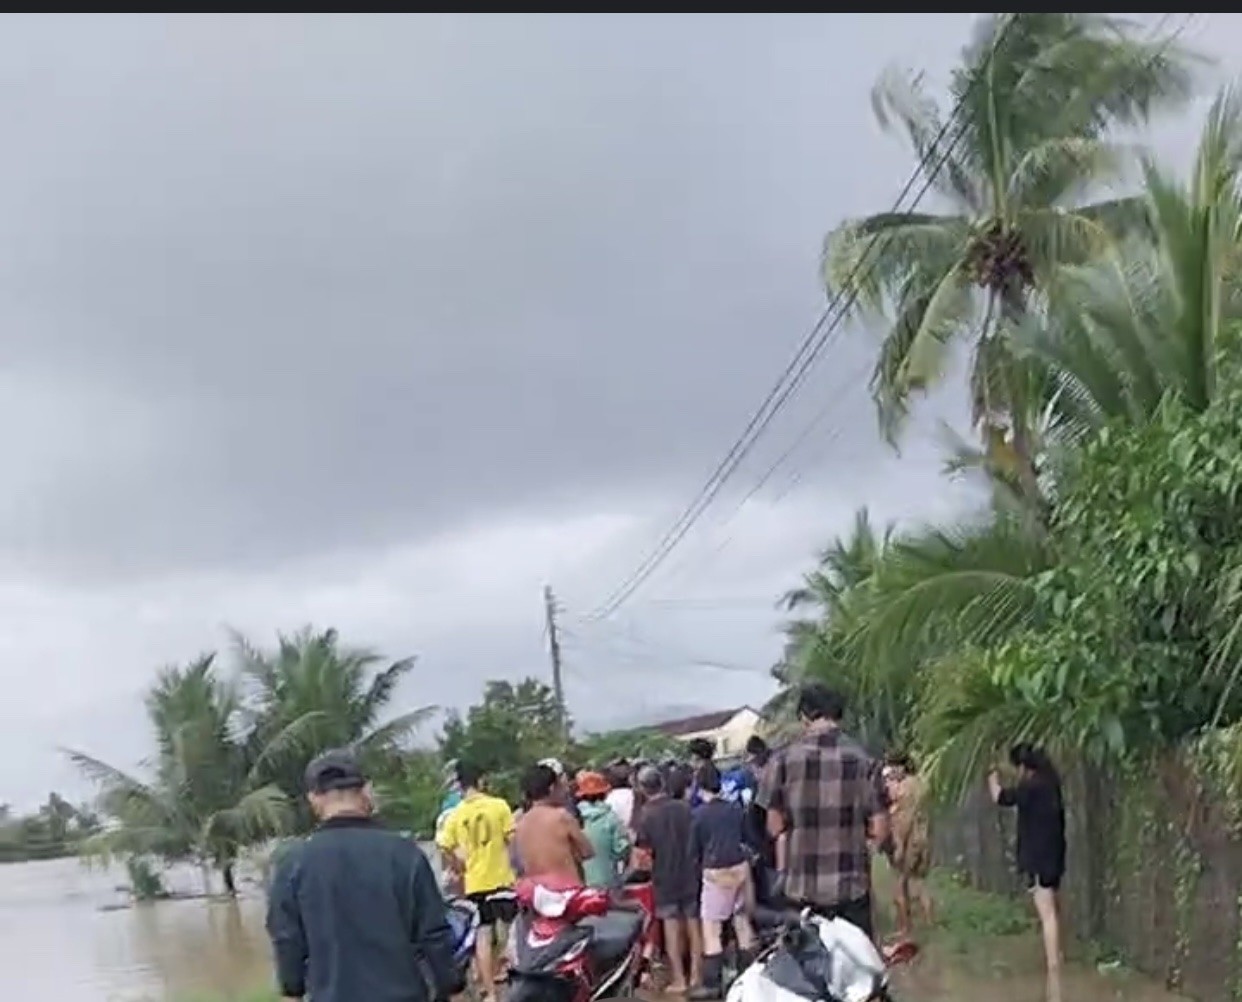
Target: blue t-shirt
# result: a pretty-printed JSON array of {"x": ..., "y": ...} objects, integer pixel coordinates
[{"x": 737, "y": 786}]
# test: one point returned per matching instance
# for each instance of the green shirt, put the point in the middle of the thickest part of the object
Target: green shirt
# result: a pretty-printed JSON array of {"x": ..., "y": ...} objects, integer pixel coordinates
[{"x": 610, "y": 841}]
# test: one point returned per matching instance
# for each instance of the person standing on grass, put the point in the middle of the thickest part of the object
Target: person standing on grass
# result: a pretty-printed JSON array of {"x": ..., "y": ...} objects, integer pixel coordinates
[
  {"x": 354, "y": 911},
  {"x": 719, "y": 837},
  {"x": 909, "y": 843},
  {"x": 827, "y": 795},
  {"x": 664, "y": 831},
  {"x": 475, "y": 839},
  {"x": 1041, "y": 843}
]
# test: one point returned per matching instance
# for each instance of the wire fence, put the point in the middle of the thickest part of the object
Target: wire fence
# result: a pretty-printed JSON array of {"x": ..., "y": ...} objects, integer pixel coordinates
[{"x": 1154, "y": 876}]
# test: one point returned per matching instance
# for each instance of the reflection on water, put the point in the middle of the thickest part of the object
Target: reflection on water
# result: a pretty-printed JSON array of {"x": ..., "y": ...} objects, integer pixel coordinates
[{"x": 58, "y": 943}]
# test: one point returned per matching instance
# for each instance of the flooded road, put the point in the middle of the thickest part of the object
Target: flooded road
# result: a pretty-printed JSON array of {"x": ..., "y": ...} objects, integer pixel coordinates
[
  {"x": 63, "y": 939},
  {"x": 1012, "y": 969},
  {"x": 58, "y": 941}
]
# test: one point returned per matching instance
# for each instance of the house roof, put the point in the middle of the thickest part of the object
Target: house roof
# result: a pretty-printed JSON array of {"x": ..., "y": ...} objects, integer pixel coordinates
[{"x": 699, "y": 722}]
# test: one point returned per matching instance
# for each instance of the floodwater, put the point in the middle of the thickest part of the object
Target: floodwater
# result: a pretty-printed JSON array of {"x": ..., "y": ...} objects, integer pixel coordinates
[
  {"x": 63, "y": 938},
  {"x": 1012, "y": 968}
]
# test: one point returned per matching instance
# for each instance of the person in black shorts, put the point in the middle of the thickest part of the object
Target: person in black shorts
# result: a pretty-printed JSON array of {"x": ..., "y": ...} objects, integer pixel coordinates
[
  {"x": 475, "y": 840},
  {"x": 1041, "y": 843}
]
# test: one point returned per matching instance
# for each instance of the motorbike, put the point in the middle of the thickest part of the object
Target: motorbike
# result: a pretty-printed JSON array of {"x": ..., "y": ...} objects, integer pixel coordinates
[
  {"x": 463, "y": 920},
  {"x": 575, "y": 944},
  {"x": 817, "y": 959}
]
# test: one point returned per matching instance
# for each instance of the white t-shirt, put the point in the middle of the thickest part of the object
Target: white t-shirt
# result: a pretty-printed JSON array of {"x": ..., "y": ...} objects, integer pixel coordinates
[{"x": 621, "y": 800}]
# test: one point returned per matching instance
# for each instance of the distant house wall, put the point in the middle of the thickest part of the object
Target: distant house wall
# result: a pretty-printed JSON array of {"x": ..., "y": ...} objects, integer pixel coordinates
[{"x": 730, "y": 737}]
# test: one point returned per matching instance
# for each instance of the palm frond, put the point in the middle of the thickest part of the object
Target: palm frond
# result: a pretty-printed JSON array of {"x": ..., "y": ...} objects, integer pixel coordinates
[
  {"x": 261, "y": 813},
  {"x": 107, "y": 777},
  {"x": 976, "y": 583},
  {"x": 297, "y": 741},
  {"x": 395, "y": 731}
]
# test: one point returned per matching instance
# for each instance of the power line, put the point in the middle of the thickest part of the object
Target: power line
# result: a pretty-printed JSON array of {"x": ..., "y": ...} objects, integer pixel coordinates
[
  {"x": 818, "y": 338},
  {"x": 807, "y": 354},
  {"x": 835, "y": 402},
  {"x": 647, "y": 652}
]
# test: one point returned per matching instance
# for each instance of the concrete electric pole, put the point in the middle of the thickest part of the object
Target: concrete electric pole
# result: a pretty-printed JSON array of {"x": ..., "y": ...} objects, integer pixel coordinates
[{"x": 554, "y": 649}]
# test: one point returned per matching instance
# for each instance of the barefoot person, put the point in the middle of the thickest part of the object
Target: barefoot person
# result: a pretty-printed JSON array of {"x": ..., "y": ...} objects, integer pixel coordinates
[
  {"x": 910, "y": 842},
  {"x": 664, "y": 830},
  {"x": 1041, "y": 843},
  {"x": 475, "y": 840}
]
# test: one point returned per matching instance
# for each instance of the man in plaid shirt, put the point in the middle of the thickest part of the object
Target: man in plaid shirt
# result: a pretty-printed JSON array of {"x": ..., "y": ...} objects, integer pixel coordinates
[{"x": 827, "y": 796}]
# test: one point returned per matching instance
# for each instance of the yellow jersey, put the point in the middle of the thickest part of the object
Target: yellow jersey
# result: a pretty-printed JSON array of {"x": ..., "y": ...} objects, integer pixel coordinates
[{"x": 479, "y": 828}]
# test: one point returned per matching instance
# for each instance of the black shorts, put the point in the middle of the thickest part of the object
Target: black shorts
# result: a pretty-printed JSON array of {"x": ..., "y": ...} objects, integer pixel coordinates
[
  {"x": 495, "y": 906},
  {"x": 1049, "y": 880},
  {"x": 856, "y": 912}
]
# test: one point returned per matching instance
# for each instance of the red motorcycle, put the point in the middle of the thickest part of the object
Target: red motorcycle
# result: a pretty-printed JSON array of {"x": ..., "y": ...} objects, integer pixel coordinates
[{"x": 575, "y": 944}]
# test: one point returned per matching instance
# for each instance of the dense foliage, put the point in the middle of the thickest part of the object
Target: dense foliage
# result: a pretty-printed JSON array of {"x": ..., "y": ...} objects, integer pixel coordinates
[
  {"x": 1108, "y": 628},
  {"x": 56, "y": 829}
]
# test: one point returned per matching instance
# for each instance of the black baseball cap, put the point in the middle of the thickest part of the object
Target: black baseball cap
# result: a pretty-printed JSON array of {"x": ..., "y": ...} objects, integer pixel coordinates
[{"x": 337, "y": 769}]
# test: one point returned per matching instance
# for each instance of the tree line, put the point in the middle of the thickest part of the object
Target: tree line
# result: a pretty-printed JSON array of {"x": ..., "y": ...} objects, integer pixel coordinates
[
  {"x": 54, "y": 830},
  {"x": 233, "y": 735}
]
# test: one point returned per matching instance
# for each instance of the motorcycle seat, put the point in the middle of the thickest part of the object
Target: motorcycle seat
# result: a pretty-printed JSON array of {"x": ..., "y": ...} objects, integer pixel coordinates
[
  {"x": 612, "y": 935},
  {"x": 773, "y": 918}
]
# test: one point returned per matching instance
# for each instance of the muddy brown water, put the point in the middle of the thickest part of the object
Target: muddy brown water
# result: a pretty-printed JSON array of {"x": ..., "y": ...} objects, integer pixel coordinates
[{"x": 65, "y": 938}]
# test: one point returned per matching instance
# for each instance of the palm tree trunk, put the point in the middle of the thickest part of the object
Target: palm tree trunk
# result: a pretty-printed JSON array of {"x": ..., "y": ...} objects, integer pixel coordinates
[{"x": 1028, "y": 477}]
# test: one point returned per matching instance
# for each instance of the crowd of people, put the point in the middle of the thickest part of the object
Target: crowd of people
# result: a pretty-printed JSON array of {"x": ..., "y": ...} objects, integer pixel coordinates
[{"x": 799, "y": 827}]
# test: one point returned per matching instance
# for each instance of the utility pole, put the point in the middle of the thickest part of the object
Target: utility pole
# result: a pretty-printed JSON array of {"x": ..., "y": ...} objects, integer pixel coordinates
[{"x": 554, "y": 648}]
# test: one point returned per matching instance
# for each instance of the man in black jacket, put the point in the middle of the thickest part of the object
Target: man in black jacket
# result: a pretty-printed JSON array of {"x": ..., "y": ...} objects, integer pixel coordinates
[{"x": 355, "y": 912}]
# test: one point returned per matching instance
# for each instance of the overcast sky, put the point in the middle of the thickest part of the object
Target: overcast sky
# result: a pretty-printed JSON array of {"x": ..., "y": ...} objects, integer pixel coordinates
[{"x": 382, "y": 322}]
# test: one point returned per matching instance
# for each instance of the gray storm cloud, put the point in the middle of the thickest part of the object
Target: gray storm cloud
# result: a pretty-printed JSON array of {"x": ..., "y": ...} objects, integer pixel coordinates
[{"x": 300, "y": 313}]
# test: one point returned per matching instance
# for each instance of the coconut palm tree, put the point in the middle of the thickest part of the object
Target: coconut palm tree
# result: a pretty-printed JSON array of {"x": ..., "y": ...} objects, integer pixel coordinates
[
  {"x": 1126, "y": 333},
  {"x": 1121, "y": 339},
  {"x": 332, "y": 696},
  {"x": 205, "y": 800},
  {"x": 816, "y": 646},
  {"x": 1040, "y": 97},
  {"x": 846, "y": 563}
]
